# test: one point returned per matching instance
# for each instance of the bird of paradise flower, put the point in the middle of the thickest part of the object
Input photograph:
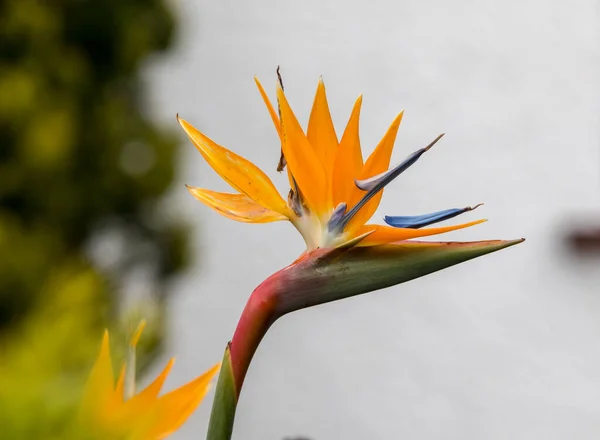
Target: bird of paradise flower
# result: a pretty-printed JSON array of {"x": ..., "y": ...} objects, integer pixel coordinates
[
  {"x": 333, "y": 193},
  {"x": 112, "y": 410}
]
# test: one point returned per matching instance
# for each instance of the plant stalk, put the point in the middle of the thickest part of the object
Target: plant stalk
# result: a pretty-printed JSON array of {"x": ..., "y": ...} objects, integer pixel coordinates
[
  {"x": 258, "y": 315},
  {"x": 318, "y": 277}
]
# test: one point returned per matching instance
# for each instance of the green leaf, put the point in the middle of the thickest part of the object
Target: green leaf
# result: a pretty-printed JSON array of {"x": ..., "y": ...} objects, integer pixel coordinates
[{"x": 222, "y": 414}]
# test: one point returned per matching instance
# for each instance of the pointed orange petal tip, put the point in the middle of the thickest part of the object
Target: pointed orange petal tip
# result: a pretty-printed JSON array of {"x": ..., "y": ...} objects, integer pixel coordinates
[
  {"x": 100, "y": 384},
  {"x": 210, "y": 374},
  {"x": 237, "y": 207},
  {"x": 120, "y": 387},
  {"x": 175, "y": 407},
  {"x": 147, "y": 395},
  {"x": 138, "y": 333},
  {"x": 321, "y": 132},
  {"x": 386, "y": 234},
  {"x": 348, "y": 161},
  {"x": 105, "y": 347},
  {"x": 271, "y": 110},
  {"x": 239, "y": 172},
  {"x": 396, "y": 122},
  {"x": 377, "y": 163},
  {"x": 302, "y": 159}
]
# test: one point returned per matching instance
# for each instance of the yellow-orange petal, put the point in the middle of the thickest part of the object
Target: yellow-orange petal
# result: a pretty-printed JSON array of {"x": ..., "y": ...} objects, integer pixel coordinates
[
  {"x": 348, "y": 161},
  {"x": 303, "y": 162},
  {"x": 130, "y": 364},
  {"x": 152, "y": 390},
  {"x": 240, "y": 173},
  {"x": 142, "y": 404},
  {"x": 98, "y": 392},
  {"x": 119, "y": 393},
  {"x": 135, "y": 339},
  {"x": 387, "y": 234},
  {"x": 275, "y": 120},
  {"x": 378, "y": 162},
  {"x": 270, "y": 108},
  {"x": 320, "y": 131},
  {"x": 237, "y": 207},
  {"x": 174, "y": 408}
]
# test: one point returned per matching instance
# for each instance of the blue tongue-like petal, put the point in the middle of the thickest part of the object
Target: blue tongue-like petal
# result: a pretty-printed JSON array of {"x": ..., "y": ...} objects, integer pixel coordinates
[
  {"x": 418, "y": 221},
  {"x": 336, "y": 216},
  {"x": 376, "y": 183}
]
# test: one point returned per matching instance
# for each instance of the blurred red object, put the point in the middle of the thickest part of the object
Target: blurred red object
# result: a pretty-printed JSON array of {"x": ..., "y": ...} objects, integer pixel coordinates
[{"x": 585, "y": 241}]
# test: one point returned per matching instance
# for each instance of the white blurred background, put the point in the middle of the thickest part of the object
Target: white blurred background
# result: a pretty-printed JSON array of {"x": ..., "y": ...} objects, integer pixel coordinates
[{"x": 504, "y": 347}]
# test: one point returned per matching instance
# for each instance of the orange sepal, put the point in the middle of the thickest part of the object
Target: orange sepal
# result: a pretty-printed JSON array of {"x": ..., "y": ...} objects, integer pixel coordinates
[
  {"x": 270, "y": 108},
  {"x": 99, "y": 389},
  {"x": 174, "y": 408},
  {"x": 302, "y": 160},
  {"x": 240, "y": 173},
  {"x": 348, "y": 161},
  {"x": 236, "y": 206},
  {"x": 320, "y": 131},
  {"x": 377, "y": 163},
  {"x": 387, "y": 234}
]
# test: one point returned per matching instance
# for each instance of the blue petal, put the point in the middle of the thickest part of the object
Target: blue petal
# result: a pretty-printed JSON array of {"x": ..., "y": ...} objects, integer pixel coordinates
[
  {"x": 376, "y": 183},
  {"x": 418, "y": 221},
  {"x": 336, "y": 216}
]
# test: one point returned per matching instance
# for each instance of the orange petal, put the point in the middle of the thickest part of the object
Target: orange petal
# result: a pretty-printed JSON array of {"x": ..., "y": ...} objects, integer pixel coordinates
[
  {"x": 348, "y": 161},
  {"x": 240, "y": 173},
  {"x": 119, "y": 393},
  {"x": 152, "y": 390},
  {"x": 387, "y": 234},
  {"x": 137, "y": 334},
  {"x": 143, "y": 402},
  {"x": 303, "y": 162},
  {"x": 174, "y": 408},
  {"x": 275, "y": 120},
  {"x": 272, "y": 112},
  {"x": 377, "y": 163},
  {"x": 138, "y": 414},
  {"x": 130, "y": 365},
  {"x": 320, "y": 132},
  {"x": 99, "y": 388},
  {"x": 236, "y": 206}
]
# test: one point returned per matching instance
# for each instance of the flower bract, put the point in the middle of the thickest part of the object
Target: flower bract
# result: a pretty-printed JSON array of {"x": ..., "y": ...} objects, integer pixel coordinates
[{"x": 113, "y": 410}]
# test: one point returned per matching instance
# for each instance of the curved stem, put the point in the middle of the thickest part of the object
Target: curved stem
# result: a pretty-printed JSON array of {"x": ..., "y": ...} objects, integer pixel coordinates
[
  {"x": 258, "y": 315},
  {"x": 318, "y": 277}
]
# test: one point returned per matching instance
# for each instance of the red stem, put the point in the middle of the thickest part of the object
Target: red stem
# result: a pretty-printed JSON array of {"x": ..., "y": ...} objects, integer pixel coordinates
[{"x": 257, "y": 317}]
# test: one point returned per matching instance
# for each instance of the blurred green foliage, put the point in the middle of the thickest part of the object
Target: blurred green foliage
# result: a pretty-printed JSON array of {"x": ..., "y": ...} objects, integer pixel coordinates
[
  {"x": 80, "y": 161},
  {"x": 41, "y": 372}
]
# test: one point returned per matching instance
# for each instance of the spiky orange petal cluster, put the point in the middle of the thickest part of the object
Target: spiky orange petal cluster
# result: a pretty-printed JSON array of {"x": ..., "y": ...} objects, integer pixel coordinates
[
  {"x": 106, "y": 413},
  {"x": 323, "y": 174}
]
